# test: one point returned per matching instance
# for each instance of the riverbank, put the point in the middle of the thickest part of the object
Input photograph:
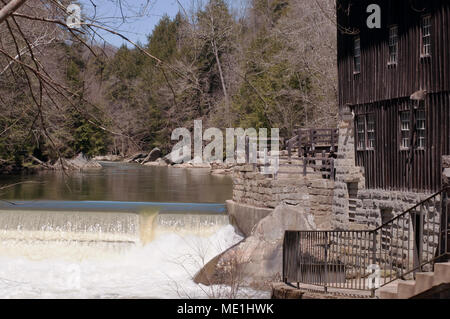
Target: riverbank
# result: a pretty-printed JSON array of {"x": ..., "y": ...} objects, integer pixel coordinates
[
  {"x": 154, "y": 158},
  {"x": 33, "y": 165},
  {"x": 7, "y": 168}
]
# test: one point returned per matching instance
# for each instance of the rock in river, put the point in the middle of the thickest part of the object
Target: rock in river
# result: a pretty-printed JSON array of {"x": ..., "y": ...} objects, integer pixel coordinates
[
  {"x": 78, "y": 163},
  {"x": 257, "y": 260},
  {"x": 152, "y": 156}
]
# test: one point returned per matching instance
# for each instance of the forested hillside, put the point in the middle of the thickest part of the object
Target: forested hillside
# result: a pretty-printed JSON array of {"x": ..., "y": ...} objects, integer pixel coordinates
[{"x": 272, "y": 66}]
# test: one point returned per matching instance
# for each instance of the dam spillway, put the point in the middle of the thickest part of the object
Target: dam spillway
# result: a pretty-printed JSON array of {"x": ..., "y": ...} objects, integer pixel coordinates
[
  {"x": 108, "y": 249},
  {"x": 78, "y": 229},
  {"x": 125, "y": 231}
]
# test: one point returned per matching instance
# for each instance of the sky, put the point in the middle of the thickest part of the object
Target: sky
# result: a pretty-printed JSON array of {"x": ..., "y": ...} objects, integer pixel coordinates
[{"x": 137, "y": 25}]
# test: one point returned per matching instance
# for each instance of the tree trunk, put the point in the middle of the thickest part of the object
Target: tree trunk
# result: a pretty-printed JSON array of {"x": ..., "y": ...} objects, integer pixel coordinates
[
  {"x": 222, "y": 79},
  {"x": 10, "y": 8}
]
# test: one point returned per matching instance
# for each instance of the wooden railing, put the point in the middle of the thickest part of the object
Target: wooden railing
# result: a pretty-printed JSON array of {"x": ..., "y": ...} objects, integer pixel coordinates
[
  {"x": 313, "y": 141},
  {"x": 323, "y": 166}
]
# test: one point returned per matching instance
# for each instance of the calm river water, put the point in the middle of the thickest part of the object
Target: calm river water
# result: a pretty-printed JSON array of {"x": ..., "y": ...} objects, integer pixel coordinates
[{"x": 122, "y": 182}]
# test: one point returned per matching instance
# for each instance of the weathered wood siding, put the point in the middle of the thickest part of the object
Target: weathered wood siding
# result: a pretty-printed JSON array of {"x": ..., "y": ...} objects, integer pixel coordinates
[
  {"x": 385, "y": 90},
  {"x": 389, "y": 167}
]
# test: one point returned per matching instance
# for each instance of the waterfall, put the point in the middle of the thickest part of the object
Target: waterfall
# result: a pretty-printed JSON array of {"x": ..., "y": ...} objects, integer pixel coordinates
[
  {"x": 50, "y": 250},
  {"x": 75, "y": 234}
]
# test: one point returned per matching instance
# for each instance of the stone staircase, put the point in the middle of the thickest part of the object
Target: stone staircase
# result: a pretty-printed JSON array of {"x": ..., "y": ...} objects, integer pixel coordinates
[{"x": 425, "y": 282}]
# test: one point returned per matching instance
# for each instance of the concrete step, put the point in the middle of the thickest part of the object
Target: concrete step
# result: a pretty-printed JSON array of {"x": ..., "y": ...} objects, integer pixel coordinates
[
  {"x": 293, "y": 177},
  {"x": 406, "y": 289},
  {"x": 441, "y": 274},
  {"x": 424, "y": 282},
  {"x": 389, "y": 291}
]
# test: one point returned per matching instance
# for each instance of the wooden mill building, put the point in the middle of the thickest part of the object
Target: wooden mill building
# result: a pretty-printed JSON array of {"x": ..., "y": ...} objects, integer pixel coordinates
[
  {"x": 396, "y": 81},
  {"x": 392, "y": 169}
]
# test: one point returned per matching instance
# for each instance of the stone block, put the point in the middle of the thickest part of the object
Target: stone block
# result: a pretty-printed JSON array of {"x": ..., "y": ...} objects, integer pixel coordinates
[
  {"x": 446, "y": 177},
  {"x": 446, "y": 161}
]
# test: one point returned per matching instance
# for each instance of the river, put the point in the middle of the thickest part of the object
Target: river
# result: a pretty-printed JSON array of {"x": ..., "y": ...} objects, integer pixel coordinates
[
  {"x": 122, "y": 182},
  {"x": 125, "y": 231}
]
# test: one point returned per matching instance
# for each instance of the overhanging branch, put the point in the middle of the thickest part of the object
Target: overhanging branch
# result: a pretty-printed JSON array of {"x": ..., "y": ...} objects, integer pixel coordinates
[{"x": 10, "y": 8}]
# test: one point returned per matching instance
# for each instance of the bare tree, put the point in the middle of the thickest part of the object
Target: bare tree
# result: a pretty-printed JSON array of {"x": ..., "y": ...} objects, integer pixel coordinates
[
  {"x": 10, "y": 8},
  {"x": 310, "y": 34}
]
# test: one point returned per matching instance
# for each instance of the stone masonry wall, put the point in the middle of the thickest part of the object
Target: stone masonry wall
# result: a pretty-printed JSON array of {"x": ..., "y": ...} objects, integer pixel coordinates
[
  {"x": 347, "y": 175},
  {"x": 373, "y": 202},
  {"x": 313, "y": 193},
  {"x": 321, "y": 193},
  {"x": 252, "y": 188},
  {"x": 446, "y": 171}
]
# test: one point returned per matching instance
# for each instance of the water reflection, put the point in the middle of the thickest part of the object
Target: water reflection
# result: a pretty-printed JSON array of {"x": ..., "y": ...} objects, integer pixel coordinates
[{"x": 122, "y": 182}]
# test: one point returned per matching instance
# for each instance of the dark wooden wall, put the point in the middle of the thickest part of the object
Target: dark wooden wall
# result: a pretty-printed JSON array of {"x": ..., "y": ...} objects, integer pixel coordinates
[
  {"x": 388, "y": 167},
  {"x": 385, "y": 91},
  {"x": 377, "y": 82}
]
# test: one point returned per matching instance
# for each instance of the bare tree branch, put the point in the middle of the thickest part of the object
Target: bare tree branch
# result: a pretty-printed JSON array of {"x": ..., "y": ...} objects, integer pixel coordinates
[{"x": 10, "y": 8}]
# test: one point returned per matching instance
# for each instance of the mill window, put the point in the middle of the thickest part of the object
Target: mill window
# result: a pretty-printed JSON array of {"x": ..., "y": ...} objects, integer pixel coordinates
[
  {"x": 405, "y": 127},
  {"x": 357, "y": 55},
  {"x": 371, "y": 131},
  {"x": 366, "y": 136},
  {"x": 393, "y": 45},
  {"x": 426, "y": 35},
  {"x": 361, "y": 129},
  {"x": 421, "y": 127}
]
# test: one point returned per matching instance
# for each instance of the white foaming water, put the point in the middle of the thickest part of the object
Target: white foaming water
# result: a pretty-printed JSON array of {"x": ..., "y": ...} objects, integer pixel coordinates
[{"x": 109, "y": 255}]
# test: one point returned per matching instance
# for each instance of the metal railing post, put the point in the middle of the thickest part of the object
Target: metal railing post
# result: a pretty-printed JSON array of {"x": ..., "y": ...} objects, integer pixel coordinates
[
  {"x": 305, "y": 163},
  {"x": 283, "y": 270},
  {"x": 420, "y": 239},
  {"x": 417, "y": 239},
  {"x": 446, "y": 222},
  {"x": 333, "y": 173},
  {"x": 332, "y": 140},
  {"x": 289, "y": 148},
  {"x": 299, "y": 144},
  {"x": 247, "y": 150},
  {"x": 326, "y": 262},
  {"x": 374, "y": 258}
]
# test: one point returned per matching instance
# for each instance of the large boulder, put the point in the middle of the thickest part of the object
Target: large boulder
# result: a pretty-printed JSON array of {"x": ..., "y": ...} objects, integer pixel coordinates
[
  {"x": 108, "y": 158},
  {"x": 78, "y": 163},
  {"x": 198, "y": 163},
  {"x": 168, "y": 159},
  {"x": 136, "y": 157},
  {"x": 257, "y": 260},
  {"x": 158, "y": 162},
  {"x": 152, "y": 156}
]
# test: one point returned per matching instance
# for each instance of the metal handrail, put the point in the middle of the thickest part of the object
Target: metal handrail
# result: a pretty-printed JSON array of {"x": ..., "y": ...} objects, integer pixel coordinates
[{"x": 405, "y": 245}]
